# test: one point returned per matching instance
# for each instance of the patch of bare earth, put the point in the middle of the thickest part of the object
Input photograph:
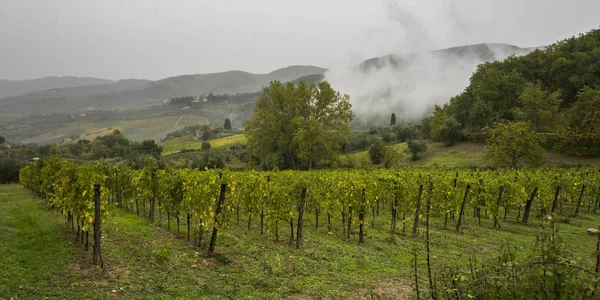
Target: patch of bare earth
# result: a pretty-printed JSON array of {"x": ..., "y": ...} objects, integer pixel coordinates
[
  {"x": 387, "y": 289},
  {"x": 297, "y": 297}
]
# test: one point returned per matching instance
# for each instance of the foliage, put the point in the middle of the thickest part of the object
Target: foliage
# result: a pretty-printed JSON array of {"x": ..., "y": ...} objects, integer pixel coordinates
[
  {"x": 163, "y": 254},
  {"x": 298, "y": 127},
  {"x": 450, "y": 132},
  {"x": 551, "y": 273},
  {"x": 415, "y": 147},
  {"x": 377, "y": 152},
  {"x": 406, "y": 132},
  {"x": 9, "y": 169},
  {"x": 510, "y": 143},
  {"x": 539, "y": 107},
  {"x": 227, "y": 124},
  {"x": 540, "y": 87},
  {"x": 393, "y": 120},
  {"x": 581, "y": 136}
]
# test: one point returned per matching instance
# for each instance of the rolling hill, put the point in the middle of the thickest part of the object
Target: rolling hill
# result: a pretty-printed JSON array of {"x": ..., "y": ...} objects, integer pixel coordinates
[
  {"x": 13, "y": 88},
  {"x": 127, "y": 94}
]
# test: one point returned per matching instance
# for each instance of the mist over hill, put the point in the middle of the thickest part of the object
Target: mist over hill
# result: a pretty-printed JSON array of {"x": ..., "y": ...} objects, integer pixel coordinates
[
  {"x": 411, "y": 84},
  {"x": 18, "y": 87},
  {"x": 408, "y": 84}
]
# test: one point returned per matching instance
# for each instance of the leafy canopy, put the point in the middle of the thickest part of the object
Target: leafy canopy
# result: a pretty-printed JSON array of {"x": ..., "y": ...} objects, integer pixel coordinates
[
  {"x": 298, "y": 127},
  {"x": 511, "y": 143}
]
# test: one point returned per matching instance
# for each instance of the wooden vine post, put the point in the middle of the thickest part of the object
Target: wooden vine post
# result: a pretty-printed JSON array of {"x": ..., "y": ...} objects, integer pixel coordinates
[
  {"x": 220, "y": 203},
  {"x": 300, "y": 215},
  {"x": 361, "y": 216},
  {"x": 462, "y": 208},
  {"x": 97, "y": 256},
  {"x": 579, "y": 200},
  {"x": 418, "y": 211},
  {"x": 528, "y": 206},
  {"x": 555, "y": 201},
  {"x": 498, "y": 203},
  {"x": 153, "y": 200}
]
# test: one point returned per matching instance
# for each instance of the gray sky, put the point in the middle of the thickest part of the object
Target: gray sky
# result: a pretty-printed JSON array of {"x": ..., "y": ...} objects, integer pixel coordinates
[{"x": 154, "y": 39}]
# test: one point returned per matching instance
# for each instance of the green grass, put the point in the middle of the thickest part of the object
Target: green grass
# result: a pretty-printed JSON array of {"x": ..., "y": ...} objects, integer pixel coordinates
[
  {"x": 461, "y": 155},
  {"x": 188, "y": 142},
  {"x": 36, "y": 254},
  {"x": 40, "y": 257}
]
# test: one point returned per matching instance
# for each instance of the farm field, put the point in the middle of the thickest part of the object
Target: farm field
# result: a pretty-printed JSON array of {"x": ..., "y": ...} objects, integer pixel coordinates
[
  {"x": 347, "y": 248},
  {"x": 248, "y": 265},
  {"x": 188, "y": 142},
  {"x": 137, "y": 125}
]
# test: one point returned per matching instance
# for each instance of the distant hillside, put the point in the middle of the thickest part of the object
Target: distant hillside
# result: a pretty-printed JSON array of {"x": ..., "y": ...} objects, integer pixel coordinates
[
  {"x": 478, "y": 52},
  {"x": 128, "y": 94},
  {"x": 309, "y": 79},
  {"x": 13, "y": 88},
  {"x": 294, "y": 72},
  {"x": 68, "y": 96}
]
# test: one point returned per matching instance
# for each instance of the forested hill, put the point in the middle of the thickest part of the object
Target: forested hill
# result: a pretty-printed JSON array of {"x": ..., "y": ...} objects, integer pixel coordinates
[
  {"x": 477, "y": 52},
  {"x": 557, "y": 90}
]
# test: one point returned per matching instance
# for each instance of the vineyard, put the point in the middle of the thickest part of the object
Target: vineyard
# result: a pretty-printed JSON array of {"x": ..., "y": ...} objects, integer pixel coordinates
[{"x": 353, "y": 203}]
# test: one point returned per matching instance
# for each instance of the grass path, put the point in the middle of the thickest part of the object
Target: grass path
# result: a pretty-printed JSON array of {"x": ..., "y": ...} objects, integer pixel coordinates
[{"x": 34, "y": 249}]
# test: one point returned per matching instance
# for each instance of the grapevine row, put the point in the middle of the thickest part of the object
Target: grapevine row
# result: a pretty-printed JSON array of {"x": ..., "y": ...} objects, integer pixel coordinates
[{"x": 354, "y": 197}]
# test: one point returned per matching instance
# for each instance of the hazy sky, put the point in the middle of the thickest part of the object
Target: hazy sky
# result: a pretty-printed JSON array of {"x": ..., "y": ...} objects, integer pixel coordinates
[{"x": 154, "y": 39}]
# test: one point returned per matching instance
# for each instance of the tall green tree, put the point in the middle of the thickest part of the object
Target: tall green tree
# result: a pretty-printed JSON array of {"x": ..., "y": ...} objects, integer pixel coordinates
[
  {"x": 581, "y": 135},
  {"x": 509, "y": 144},
  {"x": 393, "y": 120},
  {"x": 227, "y": 124},
  {"x": 540, "y": 107},
  {"x": 298, "y": 127}
]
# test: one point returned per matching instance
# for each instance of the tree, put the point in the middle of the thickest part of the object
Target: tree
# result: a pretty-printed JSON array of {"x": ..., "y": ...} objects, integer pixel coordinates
[
  {"x": 206, "y": 135},
  {"x": 393, "y": 120},
  {"x": 148, "y": 147},
  {"x": 415, "y": 147},
  {"x": 205, "y": 146},
  {"x": 377, "y": 152},
  {"x": 449, "y": 132},
  {"x": 227, "y": 124},
  {"x": 510, "y": 143},
  {"x": 540, "y": 107},
  {"x": 298, "y": 127},
  {"x": 581, "y": 135},
  {"x": 2, "y": 140}
]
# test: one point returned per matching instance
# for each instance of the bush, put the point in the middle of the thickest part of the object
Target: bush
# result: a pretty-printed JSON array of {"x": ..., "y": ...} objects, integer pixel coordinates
[
  {"x": 415, "y": 147},
  {"x": 406, "y": 132},
  {"x": 205, "y": 146},
  {"x": 377, "y": 152},
  {"x": 450, "y": 132},
  {"x": 163, "y": 255},
  {"x": 9, "y": 170}
]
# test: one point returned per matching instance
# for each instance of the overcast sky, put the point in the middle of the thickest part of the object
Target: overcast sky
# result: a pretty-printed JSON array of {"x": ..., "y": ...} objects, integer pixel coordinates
[{"x": 154, "y": 39}]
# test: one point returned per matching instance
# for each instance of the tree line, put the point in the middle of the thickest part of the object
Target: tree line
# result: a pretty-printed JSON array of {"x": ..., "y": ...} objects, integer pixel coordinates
[{"x": 556, "y": 91}]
